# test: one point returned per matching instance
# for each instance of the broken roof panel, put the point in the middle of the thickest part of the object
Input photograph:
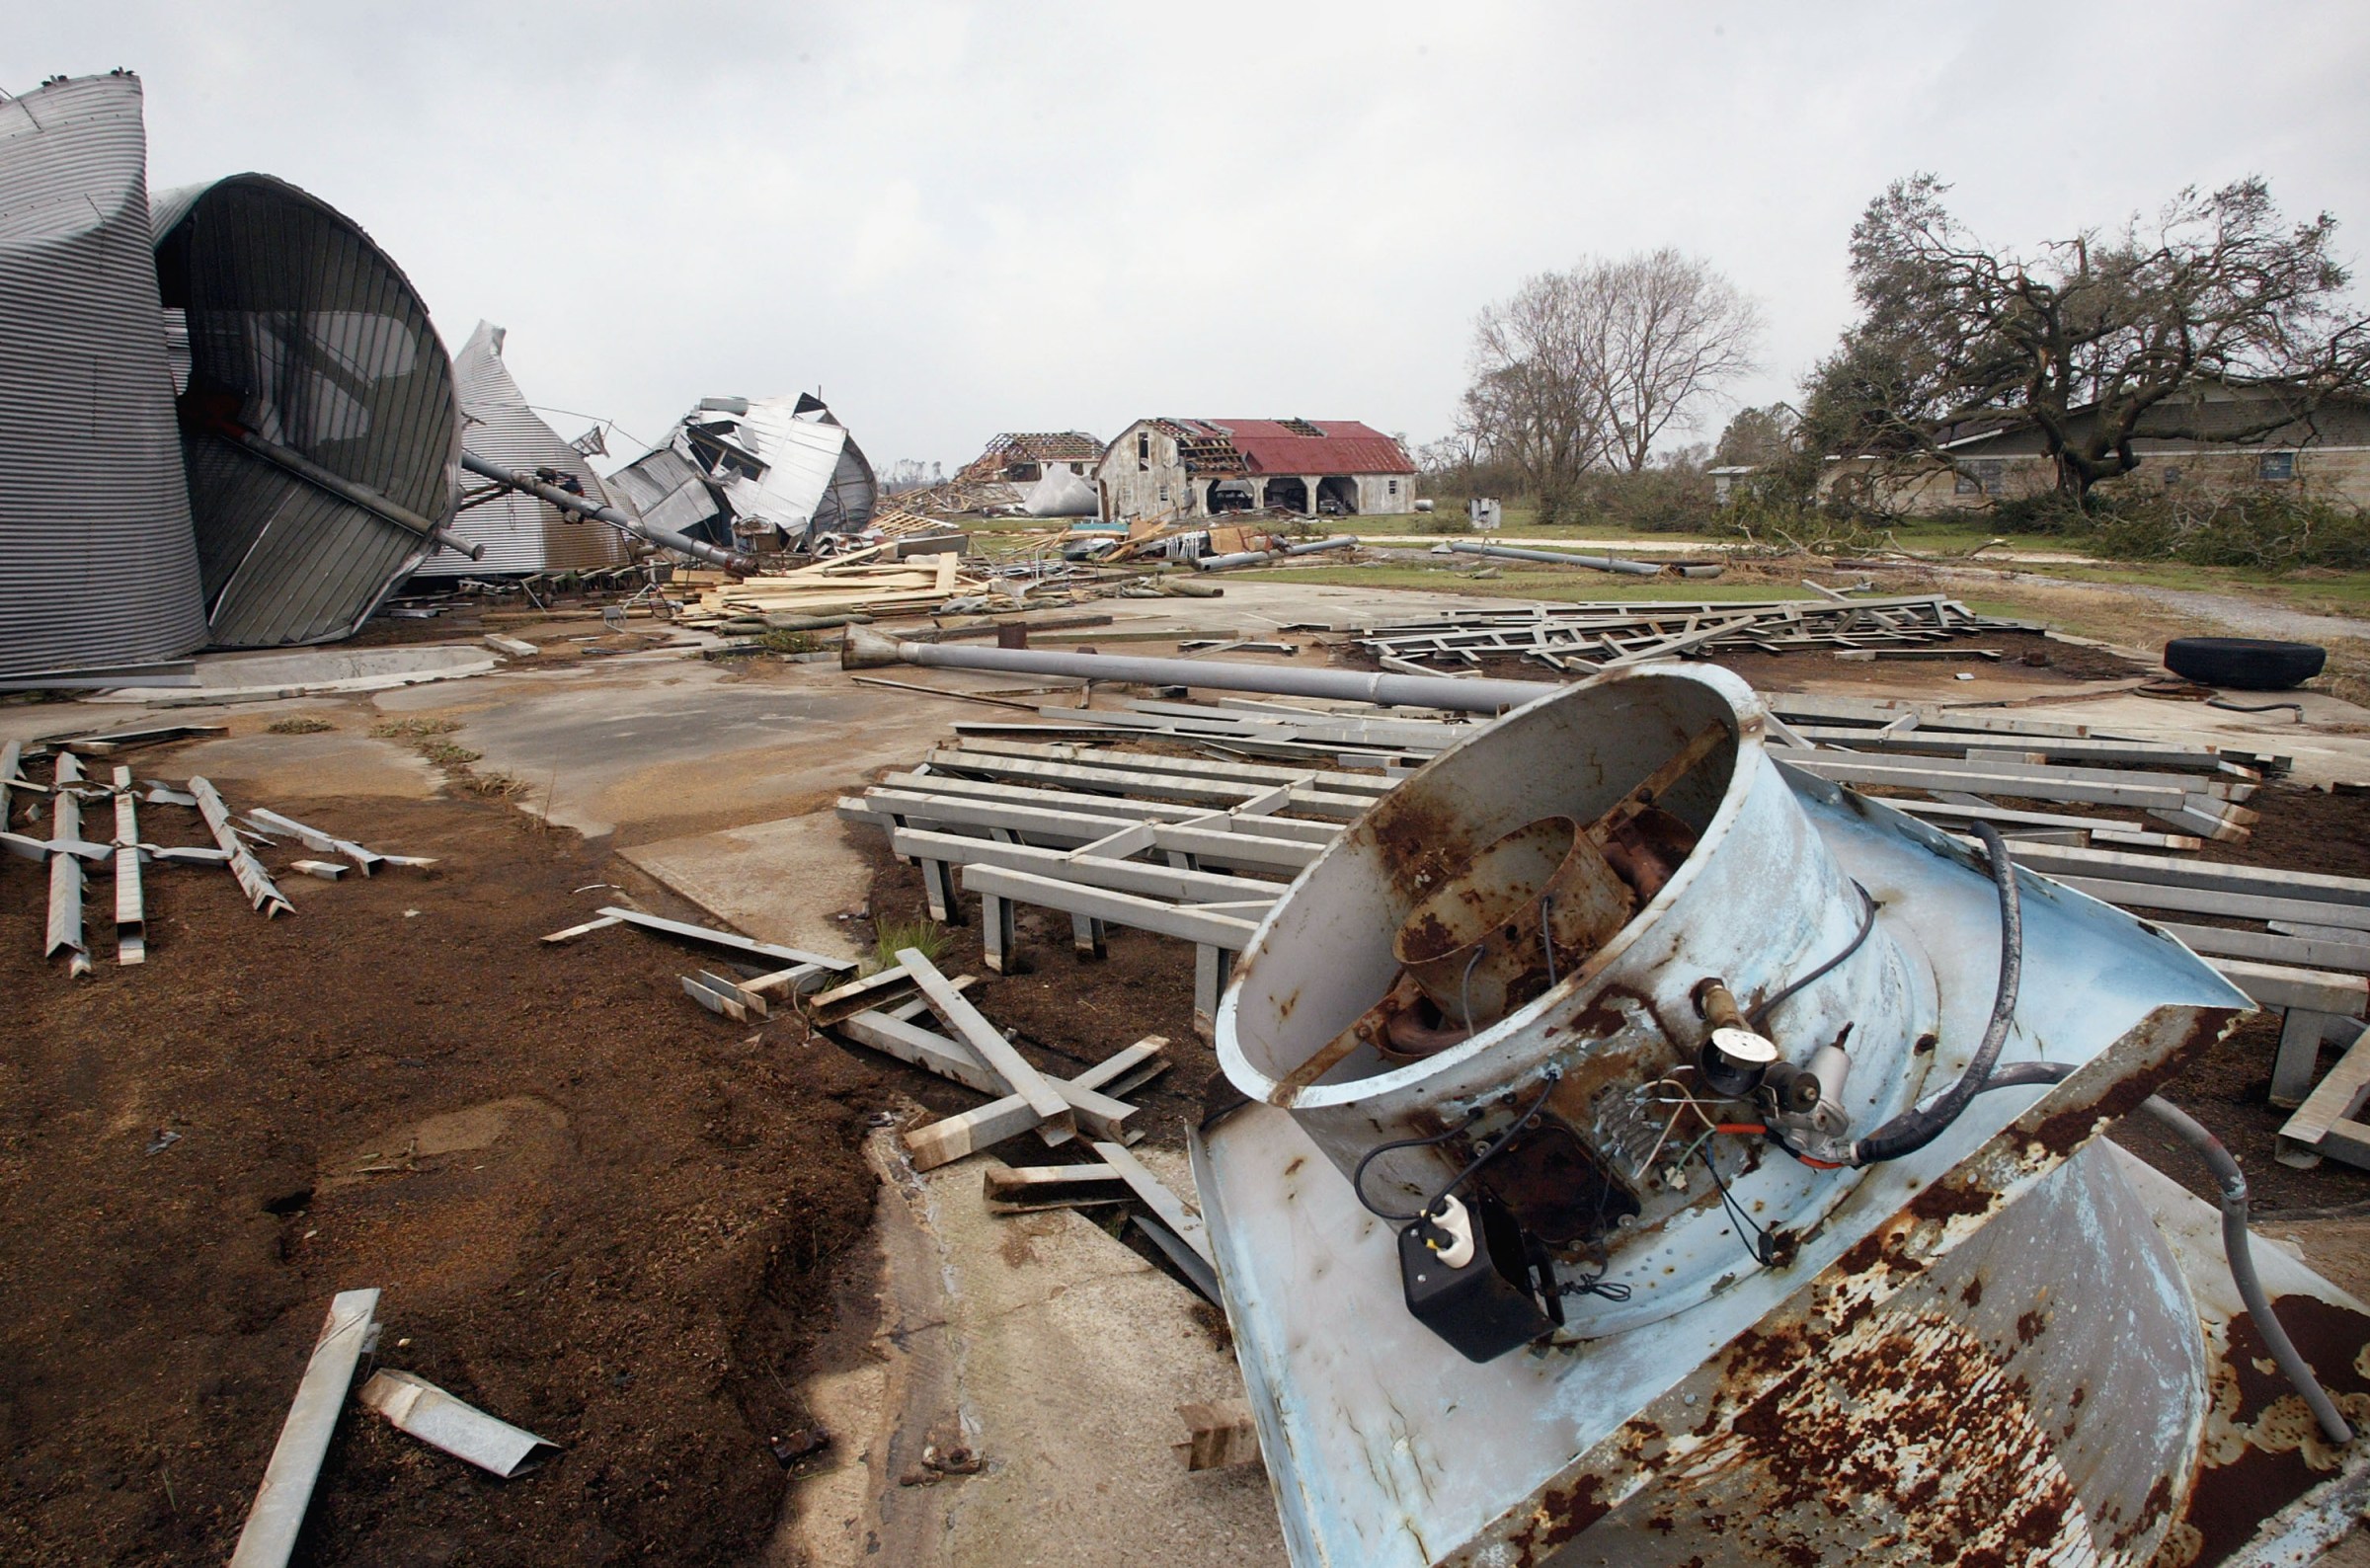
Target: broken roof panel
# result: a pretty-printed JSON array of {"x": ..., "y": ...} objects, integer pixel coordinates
[
  {"x": 319, "y": 427},
  {"x": 96, "y": 565},
  {"x": 1032, "y": 446},
  {"x": 762, "y": 462},
  {"x": 519, "y": 534},
  {"x": 1316, "y": 447}
]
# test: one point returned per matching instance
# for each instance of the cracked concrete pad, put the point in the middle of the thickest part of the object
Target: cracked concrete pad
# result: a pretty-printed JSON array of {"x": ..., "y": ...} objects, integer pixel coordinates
[
  {"x": 1056, "y": 1353},
  {"x": 284, "y": 767},
  {"x": 786, "y": 881}
]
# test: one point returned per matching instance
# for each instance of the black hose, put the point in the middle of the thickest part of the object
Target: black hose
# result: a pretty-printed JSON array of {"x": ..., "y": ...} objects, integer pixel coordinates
[
  {"x": 1918, "y": 1127},
  {"x": 2237, "y": 1242},
  {"x": 1868, "y": 923}
]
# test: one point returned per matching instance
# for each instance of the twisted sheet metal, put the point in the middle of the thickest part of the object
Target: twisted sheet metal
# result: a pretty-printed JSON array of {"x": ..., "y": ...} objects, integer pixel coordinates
[
  {"x": 98, "y": 567},
  {"x": 518, "y": 532},
  {"x": 783, "y": 462},
  {"x": 302, "y": 332}
]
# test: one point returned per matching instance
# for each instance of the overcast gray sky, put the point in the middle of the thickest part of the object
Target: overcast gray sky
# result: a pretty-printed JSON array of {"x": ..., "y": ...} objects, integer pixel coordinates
[{"x": 961, "y": 219}]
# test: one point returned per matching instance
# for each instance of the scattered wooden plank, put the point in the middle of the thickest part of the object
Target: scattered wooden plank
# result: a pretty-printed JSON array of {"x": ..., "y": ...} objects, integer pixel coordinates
[
  {"x": 985, "y": 1038},
  {"x": 1223, "y": 1435},
  {"x": 2332, "y": 1107},
  {"x": 594, "y": 924}
]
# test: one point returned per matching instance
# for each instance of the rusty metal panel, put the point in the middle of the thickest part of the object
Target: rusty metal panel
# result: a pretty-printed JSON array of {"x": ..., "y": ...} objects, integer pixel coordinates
[
  {"x": 519, "y": 534},
  {"x": 302, "y": 333},
  {"x": 98, "y": 567}
]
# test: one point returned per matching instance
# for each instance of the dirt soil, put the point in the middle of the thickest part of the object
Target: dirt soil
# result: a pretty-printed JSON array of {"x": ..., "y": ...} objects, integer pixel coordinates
[{"x": 595, "y": 1209}]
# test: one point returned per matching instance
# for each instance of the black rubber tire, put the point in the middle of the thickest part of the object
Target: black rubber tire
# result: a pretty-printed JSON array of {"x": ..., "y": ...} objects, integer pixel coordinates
[{"x": 2245, "y": 664}]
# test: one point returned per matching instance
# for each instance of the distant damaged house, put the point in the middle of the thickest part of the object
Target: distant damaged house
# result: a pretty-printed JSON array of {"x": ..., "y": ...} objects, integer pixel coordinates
[
  {"x": 519, "y": 533},
  {"x": 1161, "y": 468},
  {"x": 1050, "y": 472},
  {"x": 2212, "y": 439},
  {"x": 781, "y": 471}
]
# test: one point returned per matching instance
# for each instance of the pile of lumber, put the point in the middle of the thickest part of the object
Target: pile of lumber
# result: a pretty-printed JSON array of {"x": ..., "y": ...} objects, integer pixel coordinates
[
  {"x": 1586, "y": 637},
  {"x": 851, "y": 584}
]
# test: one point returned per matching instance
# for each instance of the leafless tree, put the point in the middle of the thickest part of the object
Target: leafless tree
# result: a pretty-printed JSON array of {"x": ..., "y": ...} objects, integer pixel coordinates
[
  {"x": 1585, "y": 368},
  {"x": 1672, "y": 332}
]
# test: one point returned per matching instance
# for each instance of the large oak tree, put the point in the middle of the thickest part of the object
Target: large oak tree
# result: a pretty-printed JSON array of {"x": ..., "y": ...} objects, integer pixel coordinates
[{"x": 2086, "y": 338}]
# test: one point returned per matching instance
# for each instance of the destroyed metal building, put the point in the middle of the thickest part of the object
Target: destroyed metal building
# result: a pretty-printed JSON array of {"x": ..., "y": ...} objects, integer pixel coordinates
[
  {"x": 1199, "y": 468},
  {"x": 780, "y": 471}
]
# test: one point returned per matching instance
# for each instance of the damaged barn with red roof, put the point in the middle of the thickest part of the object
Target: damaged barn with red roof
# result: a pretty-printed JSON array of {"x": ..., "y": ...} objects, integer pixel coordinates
[{"x": 1161, "y": 468}]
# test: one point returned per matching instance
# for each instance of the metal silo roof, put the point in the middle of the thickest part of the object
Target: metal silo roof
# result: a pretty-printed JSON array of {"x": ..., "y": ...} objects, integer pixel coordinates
[
  {"x": 319, "y": 428},
  {"x": 519, "y": 534},
  {"x": 97, "y": 563}
]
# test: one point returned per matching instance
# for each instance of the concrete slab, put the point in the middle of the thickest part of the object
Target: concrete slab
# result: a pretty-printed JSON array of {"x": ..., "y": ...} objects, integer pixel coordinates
[
  {"x": 659, "y": 747},
  {"x": 1059, "y": 1356},
  {"x": 789, "y": 881},
  {"x": 284, "y": 767}
]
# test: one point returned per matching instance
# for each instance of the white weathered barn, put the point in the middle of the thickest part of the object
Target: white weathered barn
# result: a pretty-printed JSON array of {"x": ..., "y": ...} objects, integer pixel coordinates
[{"x": 1200, "y": 468}]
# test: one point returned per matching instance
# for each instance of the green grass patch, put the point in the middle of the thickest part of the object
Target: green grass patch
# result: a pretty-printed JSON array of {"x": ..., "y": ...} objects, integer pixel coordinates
[
  {"x": 927, "y": 937},
  {"x": 299, "y": 727},
  {"x": 413, "y": 729}
]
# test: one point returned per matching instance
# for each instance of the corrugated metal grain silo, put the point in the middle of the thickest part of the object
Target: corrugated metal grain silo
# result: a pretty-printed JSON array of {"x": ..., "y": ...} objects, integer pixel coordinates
[
  {"x": 518, "y": 532},
  {"x": 319, "y": 424},
  {"x": 97, "y": 563}
]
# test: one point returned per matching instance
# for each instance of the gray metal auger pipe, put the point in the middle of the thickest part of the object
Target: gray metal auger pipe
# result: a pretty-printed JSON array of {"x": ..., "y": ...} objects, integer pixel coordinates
[
  {"x": 865, "y": 649},
  {"x": 1601, "y": 562},
  {"x": 569, "y": 501}
]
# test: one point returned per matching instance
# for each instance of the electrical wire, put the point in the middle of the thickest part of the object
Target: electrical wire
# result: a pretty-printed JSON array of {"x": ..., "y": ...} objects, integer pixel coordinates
[
  {"x": 2238, "y": 1249},
  {"x": 1465, "y": 987},
  {"x": 1868, "y": 923},
  {"x": 1489, "y": 1151},
  {"x": 1759, "y": 1246},
  {"x": 1546, "y": 935}
]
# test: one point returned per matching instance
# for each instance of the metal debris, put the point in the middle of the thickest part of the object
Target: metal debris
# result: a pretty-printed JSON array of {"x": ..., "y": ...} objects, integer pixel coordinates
[
  {"x": 277, "y": 1513},
  {"x": 419, "y": 1408}
]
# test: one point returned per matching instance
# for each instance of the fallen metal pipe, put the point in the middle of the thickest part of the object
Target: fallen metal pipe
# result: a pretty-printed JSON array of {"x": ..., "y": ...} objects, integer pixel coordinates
[
  {"x": 1225, "y": 563},
  {"x": 569, "y": 501},
  {"x": 865, "y": 649},
  {"x": 1601, "y": 563},
  {"x": 290, "y": 460}
]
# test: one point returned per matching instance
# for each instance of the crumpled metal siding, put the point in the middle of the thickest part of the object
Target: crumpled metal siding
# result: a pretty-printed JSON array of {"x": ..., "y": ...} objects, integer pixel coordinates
[
  {"x": 97, "y": 564},
  {"x": 304, "y": 332},
  {"x": 518, "y": 532}
]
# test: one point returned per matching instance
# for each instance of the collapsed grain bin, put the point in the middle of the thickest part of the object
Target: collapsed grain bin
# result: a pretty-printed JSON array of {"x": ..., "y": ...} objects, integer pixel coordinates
[
  {"x": 781, "y": 471},
  {"x": 319, "y": 428},
  {"x": 519, "y": 532},
  {"x": 98, "y": 570}
]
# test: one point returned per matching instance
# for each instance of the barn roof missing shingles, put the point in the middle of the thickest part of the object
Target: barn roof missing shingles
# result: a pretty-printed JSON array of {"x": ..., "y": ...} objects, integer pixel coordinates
[
  {"x": 1032, "y": 446},
  {"x": 1286, "y": 446}
]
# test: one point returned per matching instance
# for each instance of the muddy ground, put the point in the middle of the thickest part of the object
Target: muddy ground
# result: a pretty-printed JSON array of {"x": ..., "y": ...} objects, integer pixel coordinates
[{"x": 595, "y": 1209}]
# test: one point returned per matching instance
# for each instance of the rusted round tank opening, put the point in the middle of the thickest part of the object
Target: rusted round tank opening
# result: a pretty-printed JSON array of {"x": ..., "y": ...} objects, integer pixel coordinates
[
  {"x": 1536, "y": 902},
  {"x": 1568, "y": 880}
]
